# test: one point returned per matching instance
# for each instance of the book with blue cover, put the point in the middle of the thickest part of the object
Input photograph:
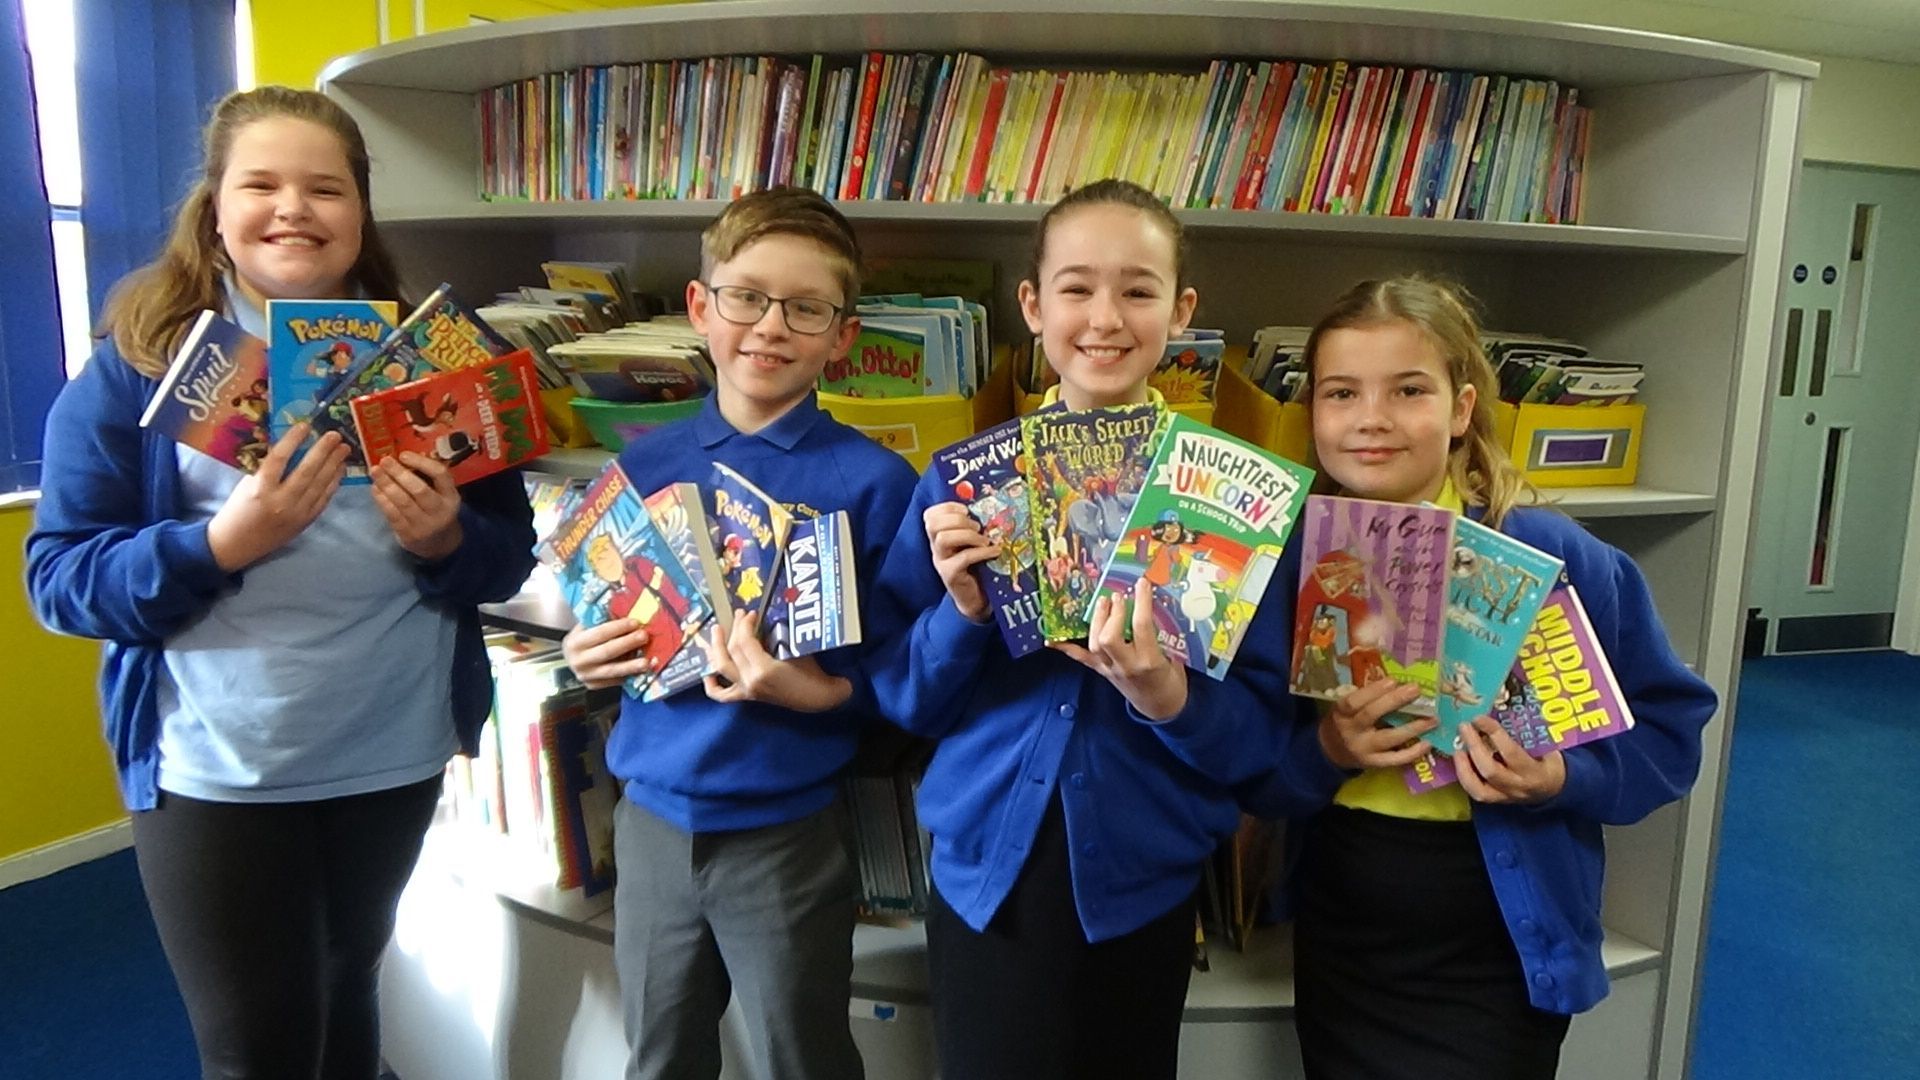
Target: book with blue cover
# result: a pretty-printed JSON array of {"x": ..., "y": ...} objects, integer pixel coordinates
[
  {"x": 612, "y": 563},
  {"x": 318, "y": 356},
  {"x": 815, "y": 604},
  {"x": 1495, "y": 586},
  {"x": 748, "y": 529},
  {"x": 983, "y": 473},
  {"x": 214, "y": 397}
]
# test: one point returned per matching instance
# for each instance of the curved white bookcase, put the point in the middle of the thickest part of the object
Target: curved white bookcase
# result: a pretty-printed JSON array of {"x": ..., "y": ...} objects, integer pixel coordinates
[{"x": 1677, "y": 263}]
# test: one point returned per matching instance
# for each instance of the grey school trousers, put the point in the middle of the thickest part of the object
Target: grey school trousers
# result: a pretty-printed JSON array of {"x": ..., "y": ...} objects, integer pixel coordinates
[{"x": 763, "y": 915}]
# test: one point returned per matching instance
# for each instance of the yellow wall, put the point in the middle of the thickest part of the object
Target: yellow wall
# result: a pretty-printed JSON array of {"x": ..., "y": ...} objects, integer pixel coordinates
[
  {"x": 56, "y": 778},
  {"x": 290, "y": 45}
]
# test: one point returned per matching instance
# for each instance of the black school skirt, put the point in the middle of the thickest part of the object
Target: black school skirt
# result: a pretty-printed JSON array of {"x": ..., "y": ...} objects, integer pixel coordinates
[{"x": 1403, "y": 966}]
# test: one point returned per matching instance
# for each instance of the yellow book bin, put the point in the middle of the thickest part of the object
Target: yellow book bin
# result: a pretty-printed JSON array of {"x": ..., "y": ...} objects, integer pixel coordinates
[
  {"x": 1250, "y": 413},
  {"x": 1572, "y": 445}
]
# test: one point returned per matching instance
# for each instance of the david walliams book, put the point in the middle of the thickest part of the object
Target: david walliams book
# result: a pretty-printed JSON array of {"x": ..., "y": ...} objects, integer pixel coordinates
[
  {"x": 815, "y": 605},
  {"x": 475, "y": 420},
  {"x": 748, "y": 529},
  {"x": 214, "y": 396},
  {"x": 314, "y": 354},
  {"x": 1495, "y": 586},
  {"x": 1207, "y": 532},
  {"x": 1560, "y": 693},
  {"x": 1088, "y": 468},
  {"x": 987, "y": 474},
  {"x": 612, "y": 563},
  {"x": 1373, "y": 597}
]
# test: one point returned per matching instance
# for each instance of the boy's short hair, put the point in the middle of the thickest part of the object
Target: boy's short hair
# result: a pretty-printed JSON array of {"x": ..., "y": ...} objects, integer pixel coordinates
[{"x": 788, "y": 211}]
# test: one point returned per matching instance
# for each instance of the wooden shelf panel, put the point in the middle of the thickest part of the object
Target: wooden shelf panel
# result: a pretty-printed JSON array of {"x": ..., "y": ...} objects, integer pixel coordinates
[
  {"x": 1109, "y": 33},
  {"x": 1365, "y": 230}
]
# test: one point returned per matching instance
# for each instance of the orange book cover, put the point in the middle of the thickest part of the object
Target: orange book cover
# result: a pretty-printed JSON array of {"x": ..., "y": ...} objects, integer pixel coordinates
[{"x": 475, "y": 420}]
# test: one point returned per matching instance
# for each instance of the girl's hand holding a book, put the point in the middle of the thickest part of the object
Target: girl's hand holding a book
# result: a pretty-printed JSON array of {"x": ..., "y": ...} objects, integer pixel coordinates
[
  {"x": 958, "y": 546},
  {"x": 1127, "y": 651},
  {"x": 1354, "y": 733},
  {"x": 1494, "y": 769},
  {"x": 274, "y": 504},
  {"x": 606, "y": 654},
  {"x": 741, "y": 669},
  {"x": 422, "y": 505}
]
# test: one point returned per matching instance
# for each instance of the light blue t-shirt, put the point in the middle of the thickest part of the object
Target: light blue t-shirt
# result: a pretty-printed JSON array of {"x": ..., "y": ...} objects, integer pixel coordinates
[{"x": 323, "y": 674}]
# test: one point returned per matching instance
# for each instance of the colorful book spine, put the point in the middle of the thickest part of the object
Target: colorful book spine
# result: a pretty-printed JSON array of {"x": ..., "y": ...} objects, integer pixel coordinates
[{"x": 983, "y": 473}]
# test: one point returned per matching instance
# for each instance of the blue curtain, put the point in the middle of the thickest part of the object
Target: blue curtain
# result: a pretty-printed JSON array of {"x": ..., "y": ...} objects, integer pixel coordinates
[
  {"x": 31, "y": 367},
  {"x": 147, "y": 74}
]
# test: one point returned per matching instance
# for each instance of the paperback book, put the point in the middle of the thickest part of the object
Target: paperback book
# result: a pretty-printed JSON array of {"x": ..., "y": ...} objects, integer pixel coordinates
[
  {"x": 475, "y": 420},
  {"x": 815, "y": 604},
  {"x": 748, "y": 530},
  {"x": 214, "y": 396},
  {"x": 677, "y": 514},
  {"x": 984, "y": 473},
  {"x": 1495, "y": 586},
  {"x": 1373, "y": 597},
  {"x": 1088, "y": 468},
  {"x": 1207, "y": 531},
  {"x": 319, "y": 350}
]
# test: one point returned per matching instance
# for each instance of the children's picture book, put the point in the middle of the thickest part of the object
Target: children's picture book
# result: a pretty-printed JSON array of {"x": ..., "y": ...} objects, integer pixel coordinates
[
  {"x": 1495, "y": 585},
  {"x": 316, "y": 351},
  {"x": 1087, "y": 470},
  {"x": 447, "y": 334},
  {"x": 986, "y": 473},
  {"x": 815, "y": 605},
  {"x": 748, "y": 529},
  {"x": 1560, "y": 693},
  {"x": 1373, "y": 597},
  {"x": 676, "y": 512},
  {"x": 889, "y": 359},
  {"x": 475, "y": 420},
  {"x": 1207, "y": 531},
  {"x": 612, "y": 563},
  {"x": 1189, "y": 370},
  {"x": 214, "y": 396}
]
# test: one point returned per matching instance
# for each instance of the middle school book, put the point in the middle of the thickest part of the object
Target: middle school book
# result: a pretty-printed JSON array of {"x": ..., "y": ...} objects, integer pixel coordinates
[
  {"x": 1207, "y": 531},
  {"x": 815, "y": 604},
  {"x": 1373, "y": 597},
  {"x": 612, "y": 563},
  {"x": 475, "y": 420},
  {"x": 1088, "y": 468},
  {"x": 748, "y": 529},
  {"x": 1495, "y": 586},
  {"x": 314, "y": 347},
  {"x": 985, "y": 473},
  {"x": 214, "y": 396}
]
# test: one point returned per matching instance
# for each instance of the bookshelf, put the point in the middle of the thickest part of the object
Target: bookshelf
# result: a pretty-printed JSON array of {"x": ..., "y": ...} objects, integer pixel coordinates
[{"x": 1677, "y": 263}]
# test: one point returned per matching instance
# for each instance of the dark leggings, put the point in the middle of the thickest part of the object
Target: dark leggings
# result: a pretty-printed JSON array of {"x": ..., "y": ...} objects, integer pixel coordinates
[
  {"x": 1030, "y": 999},
  {"x": 274, "y": 917}
]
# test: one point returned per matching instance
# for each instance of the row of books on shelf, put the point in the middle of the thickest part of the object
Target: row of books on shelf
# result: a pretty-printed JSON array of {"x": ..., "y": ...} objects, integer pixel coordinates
[
  {"x": 439, "y": 382},
  {"x": 689, "y": 559},
  {"x": 540, "y": 777},
  {"x": 1322, "y": 137},
  {"x": 1529, "y": 369},
  {"x": 913, "y": 345}
]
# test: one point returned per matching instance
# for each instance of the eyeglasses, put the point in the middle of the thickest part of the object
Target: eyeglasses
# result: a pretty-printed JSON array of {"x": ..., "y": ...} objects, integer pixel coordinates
[{"x": 803, "y": 314}]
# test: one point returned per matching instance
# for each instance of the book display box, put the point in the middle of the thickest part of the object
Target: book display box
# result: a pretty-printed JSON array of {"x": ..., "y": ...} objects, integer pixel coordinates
[{"x": 1676, "y": 262}]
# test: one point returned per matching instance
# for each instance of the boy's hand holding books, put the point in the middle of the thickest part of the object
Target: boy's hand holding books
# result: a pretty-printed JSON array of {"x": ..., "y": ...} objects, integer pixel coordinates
[
  {"x": 1493, "y": 768},
  {"x": 1127, "y": 651},
  {"x": 275, "y": 504},
  {"x": 421, "y": 504},
  {"x": 741, "y": 669},
  {"x": 1354, "y": 733},
  {"x": 608, "y": 653},
  {"x": 958, "y": 546}
]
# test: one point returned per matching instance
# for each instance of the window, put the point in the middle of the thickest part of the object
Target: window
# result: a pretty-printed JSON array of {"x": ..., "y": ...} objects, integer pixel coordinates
[{"x": 49, "y": 26}]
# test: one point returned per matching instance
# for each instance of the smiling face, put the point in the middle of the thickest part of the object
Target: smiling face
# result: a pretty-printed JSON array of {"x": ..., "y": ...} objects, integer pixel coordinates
[
  {"x": 288, "y": 212},
  {"x": 1384, "y": 411},
  {"x": 765, "y": 368},
  {"x": 1105, "y": 303}
]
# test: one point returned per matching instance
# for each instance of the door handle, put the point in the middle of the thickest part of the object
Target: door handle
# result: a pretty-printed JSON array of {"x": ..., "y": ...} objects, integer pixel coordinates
[{"x": 1808, "y": 420}]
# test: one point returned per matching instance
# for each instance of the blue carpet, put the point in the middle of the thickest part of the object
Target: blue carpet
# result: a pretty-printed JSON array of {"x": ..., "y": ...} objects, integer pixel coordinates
[
  {"x": 85, "y": 993},
  {"x": 1812, "y": 964}
]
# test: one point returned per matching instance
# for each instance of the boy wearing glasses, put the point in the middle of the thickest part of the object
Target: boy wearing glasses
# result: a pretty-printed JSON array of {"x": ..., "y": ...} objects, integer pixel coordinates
[{"x": 733, "y": 877}]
